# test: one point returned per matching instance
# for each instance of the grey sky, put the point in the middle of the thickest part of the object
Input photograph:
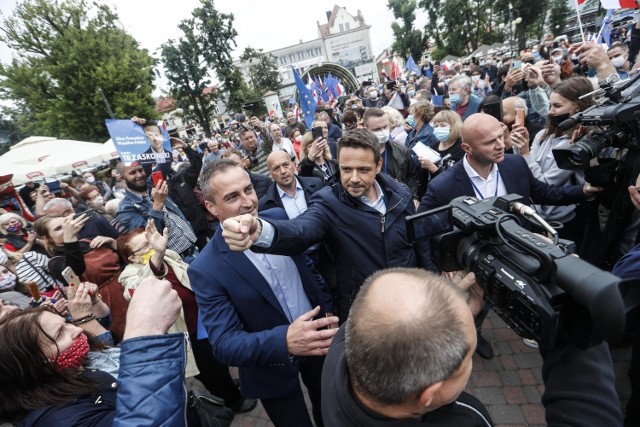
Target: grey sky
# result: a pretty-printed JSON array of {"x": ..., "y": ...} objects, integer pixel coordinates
[{"x": 260, "y": 24}]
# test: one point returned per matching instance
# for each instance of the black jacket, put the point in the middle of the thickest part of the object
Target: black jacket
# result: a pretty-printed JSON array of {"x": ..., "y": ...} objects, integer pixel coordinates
[
  {"x": 362, "y": 240},
  {"x": 341, "y": 409},
  {"x": 260, "y": 183},
  {"x": 181, "y": 191},
  {"x": 272, "y": 198}
]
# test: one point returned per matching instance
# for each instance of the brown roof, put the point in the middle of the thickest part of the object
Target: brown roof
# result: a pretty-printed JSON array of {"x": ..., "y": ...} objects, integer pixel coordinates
[
  {"x": 164, "y": 105},
  {"x": 324, "y": 28}
]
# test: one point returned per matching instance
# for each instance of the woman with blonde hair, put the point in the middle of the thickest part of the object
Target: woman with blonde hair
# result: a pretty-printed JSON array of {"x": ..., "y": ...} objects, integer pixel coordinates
[
  {"x": 316, "y": 159},
  {"x": 396, "y": 125}
]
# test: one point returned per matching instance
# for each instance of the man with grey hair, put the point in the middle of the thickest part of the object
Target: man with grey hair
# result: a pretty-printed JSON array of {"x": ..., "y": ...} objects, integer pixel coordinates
[
  {"x": 463, "y": 101},
  {"x": 404, "y": 357}
]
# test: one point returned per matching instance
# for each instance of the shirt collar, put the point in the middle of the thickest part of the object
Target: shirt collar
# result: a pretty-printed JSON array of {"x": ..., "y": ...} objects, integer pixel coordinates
[
  {"x": 471, "y": 172},
  {"x": 282, "y": 193},
  {"x": 367, "y": 201}
]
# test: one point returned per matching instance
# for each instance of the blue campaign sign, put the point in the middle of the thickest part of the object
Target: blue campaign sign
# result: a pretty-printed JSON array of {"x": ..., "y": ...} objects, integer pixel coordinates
[{"x": 137, "y": 144}]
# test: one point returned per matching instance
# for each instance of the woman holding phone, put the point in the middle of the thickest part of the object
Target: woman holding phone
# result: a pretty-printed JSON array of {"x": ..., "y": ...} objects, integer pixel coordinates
[
  {"x": 94, "y": 260},
  {"x": 316, "y": 159},
  {"x": 565, "y": 102}
]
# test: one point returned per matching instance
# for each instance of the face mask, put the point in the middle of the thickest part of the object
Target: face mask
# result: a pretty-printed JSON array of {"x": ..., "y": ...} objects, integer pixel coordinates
[
  {"x": 382, "y": 135},
  {"x": 8, "y": 281},
  {"x": 556, "y": 120},
  {"x": 373, "y": 95},
  {"x": 98, "y": 202},
  {"x": 475, "y": 78},
  {"x": 147, "y": 257},
  {"x": 74, "y": 356},
  {"x": 412, "y": 93},
  {"x": 455, "y": 98},
  {"x": 298, "y": 138},
  {"x": 441, "y": 133},
  {"x": 12, "y": 228},
  {"x": 91, "y": 180},
  {"x": 618, "y": 61},
  {"x": 559, "y": 60},
  {"x": 411, "y": 121}
]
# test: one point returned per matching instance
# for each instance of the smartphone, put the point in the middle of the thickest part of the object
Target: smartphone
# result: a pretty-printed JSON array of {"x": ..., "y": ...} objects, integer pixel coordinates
[
  {"x": 519, "y": 117},
  {"x": 156, "y": 177},
  {"x": 90, "y": 213},
  {"x": 54, "y": 186},
  {"x": 493, "y": 109},
  {"x": 391, "y": 85},
  {"x": 317, "y": 132},
  {"x": 367, "y": 83},
  {"x": 516, "y": 65},
  {"x": 70, "y": 276}
]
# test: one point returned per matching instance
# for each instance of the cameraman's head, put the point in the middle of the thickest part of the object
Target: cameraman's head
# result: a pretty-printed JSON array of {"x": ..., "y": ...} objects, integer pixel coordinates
[
  {"x": 248, "y": 139},
  {"x": 482, "y": 140},
  {"x": 409, "y": 341}
]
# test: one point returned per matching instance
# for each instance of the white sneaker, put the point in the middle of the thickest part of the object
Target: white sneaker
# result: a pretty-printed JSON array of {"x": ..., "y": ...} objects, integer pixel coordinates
[{"x": 530, "y": 343}]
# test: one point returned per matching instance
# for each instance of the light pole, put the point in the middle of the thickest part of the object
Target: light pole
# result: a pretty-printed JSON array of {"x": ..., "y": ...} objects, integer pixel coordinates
[{"x": 512, "y": 21}]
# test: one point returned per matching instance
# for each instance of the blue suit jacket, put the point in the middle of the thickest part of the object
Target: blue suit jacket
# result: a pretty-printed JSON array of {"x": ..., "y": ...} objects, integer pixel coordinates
[
  {"x": 246, "y": 325},
  {"x": 517, "y": 178}
]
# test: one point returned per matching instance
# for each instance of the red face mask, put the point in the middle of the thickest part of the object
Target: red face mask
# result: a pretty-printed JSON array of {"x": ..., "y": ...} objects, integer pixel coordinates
[{"x": 74, "y": 356}]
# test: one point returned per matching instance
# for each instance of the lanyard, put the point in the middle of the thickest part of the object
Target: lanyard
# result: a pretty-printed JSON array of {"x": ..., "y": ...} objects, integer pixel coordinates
[{"x": 478, "y": 190}]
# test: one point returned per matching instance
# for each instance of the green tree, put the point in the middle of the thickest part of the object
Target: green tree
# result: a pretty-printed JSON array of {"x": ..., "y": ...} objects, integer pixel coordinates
[
  {"x": 9, "y": 129},
  {"x": 263, "y": 70},
  {"x": 187, "y": 73},
  {"x": 64, "y": 53},
  {"x": 407, "y": 39},
  {"x": 558, "y": 16}
]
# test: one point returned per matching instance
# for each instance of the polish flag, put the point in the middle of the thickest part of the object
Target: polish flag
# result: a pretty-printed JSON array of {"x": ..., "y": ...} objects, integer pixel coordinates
[
  {"x": 617, "y": 4},
  {"x": 396, "y": 71}
]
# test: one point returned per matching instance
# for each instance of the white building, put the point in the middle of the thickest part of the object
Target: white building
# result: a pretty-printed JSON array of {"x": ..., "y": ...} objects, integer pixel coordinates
[{"x": 344, "y": 40}]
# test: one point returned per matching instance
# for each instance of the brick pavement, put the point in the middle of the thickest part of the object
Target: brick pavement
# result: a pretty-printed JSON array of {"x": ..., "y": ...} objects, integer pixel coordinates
[{"x": 510, "y": 384}]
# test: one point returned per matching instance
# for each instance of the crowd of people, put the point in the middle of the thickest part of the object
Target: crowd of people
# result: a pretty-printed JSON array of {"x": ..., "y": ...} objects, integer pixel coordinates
[{"x": 282, "y": 250}]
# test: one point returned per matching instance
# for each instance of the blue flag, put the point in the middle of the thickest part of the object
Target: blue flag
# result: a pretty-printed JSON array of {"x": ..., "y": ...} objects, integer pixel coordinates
[
  {"x": 606, "y": 28},
  {"x": 411, "y": 66},
  {"x": 332, "y": 85},
  {"x": 305, "y": 99}
]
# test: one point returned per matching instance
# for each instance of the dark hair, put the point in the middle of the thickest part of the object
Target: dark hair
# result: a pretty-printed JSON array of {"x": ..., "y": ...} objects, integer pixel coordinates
[
  {"x": 209, "y": 171},
  {"x": 360, "y": 138},
  {"x": 77, "y": 180},
  {"x": 349, "y": 117},
  {"x": 122, "y": 242},
  {"x": 572, "y": 89},
  {"x": 29, "y": 381},
  {"x": 372, "y": 112},
  {"x": 489, "y": 99},
  {"x": 391, "y": 359}
]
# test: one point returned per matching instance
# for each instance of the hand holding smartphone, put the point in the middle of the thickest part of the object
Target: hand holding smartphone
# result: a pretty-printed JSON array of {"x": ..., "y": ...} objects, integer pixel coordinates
[{"x": 156, "y": 177}]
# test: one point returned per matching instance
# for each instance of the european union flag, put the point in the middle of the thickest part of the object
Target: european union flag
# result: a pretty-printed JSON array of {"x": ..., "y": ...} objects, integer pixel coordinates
[
  {"x": 305, "y": 99},
  {"x": 411, "y": 66},
  {"x": 606, "y": 28}
]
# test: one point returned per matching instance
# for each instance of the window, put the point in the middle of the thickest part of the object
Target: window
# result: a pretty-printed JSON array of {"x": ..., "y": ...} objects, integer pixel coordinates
[
  {"x": 346, "y": 26},
  {"x": 318, "y": 51},
  {"x": 341, "y": 27}
]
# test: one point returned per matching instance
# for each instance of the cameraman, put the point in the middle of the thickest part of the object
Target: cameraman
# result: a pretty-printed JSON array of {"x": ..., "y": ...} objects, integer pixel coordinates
[{"x": 367, "y": 381}]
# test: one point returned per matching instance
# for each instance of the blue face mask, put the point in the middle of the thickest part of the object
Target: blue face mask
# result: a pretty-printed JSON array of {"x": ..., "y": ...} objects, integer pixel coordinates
[
  {"x": 454, "y": 98},
  {"x": 411, "y": 93},
  {"x": 411, "y": 121},
  {"x": 441, "y": 133}
]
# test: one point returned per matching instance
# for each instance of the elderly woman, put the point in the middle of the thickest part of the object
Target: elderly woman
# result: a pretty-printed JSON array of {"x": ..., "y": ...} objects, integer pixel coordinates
[
  {"x": 396, "y": 125},
  {"x": 145, "y": 249},
  {"x": 46, "y": 383},
  {"x": 420, "y": 114},
  {"x": 14, "y": 232}
]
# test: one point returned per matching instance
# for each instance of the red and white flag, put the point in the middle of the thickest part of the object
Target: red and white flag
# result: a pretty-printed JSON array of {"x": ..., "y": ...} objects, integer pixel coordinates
[
  {"x": 396, "y": 70},
  {"x": 617, "y": 4}
]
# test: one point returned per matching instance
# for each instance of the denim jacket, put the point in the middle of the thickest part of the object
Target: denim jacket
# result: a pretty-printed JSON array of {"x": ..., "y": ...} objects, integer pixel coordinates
[{"x": 135, "y": 210}]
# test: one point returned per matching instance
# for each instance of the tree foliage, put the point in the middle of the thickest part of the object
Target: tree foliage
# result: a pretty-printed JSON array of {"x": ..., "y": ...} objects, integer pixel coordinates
[
  {"x": 407, "y": 39},
  {"x": 559, "y": 12},
  {"x": 64, "y": 52},
  {"x": 263, "y": 70},
  {"x": 458, "y": 27}
]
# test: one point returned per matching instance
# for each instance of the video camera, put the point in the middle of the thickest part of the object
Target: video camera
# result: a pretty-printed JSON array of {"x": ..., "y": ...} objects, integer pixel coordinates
[
  {"x": 619, "y": 111},
  {"x": 537, "y": 287}
]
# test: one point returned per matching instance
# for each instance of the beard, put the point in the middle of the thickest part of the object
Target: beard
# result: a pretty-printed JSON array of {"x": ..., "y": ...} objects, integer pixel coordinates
[{"x": 137, "y": 188}]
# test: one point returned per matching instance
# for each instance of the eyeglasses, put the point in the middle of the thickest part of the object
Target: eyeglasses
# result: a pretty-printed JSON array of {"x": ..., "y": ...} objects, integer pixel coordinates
[{"x": 146, "y": 245}]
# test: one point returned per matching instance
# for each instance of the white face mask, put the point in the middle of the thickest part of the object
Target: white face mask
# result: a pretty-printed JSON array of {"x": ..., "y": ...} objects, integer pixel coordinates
[
  {"x": 618, "y": 61},
  {"x": 98, "y": 202},
  {"x": 8, "y": 281},
  {"x": 475, "y": 78},
  {"x": 559, "y": 60},
  {"x": 373, "y": 95},
  {"x": 90, "y": 180},
  {"x": 382, "y": 135}
]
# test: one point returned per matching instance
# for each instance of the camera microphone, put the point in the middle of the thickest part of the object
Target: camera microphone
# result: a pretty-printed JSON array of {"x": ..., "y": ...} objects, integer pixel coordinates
[
  {"x": 530, "y": 213},
  {"x": 570, "y": 122}
]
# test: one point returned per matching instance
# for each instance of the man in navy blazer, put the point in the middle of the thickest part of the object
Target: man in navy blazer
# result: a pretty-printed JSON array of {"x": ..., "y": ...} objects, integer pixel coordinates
[
  {"x": 257, "y": 309},
  {"x": 482, "y": 141},
  {"x": 295, "y": 189}
]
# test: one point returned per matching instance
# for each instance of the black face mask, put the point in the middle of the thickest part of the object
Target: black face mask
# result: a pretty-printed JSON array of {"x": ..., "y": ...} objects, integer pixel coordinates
[{"x": 556, "y": 120}]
